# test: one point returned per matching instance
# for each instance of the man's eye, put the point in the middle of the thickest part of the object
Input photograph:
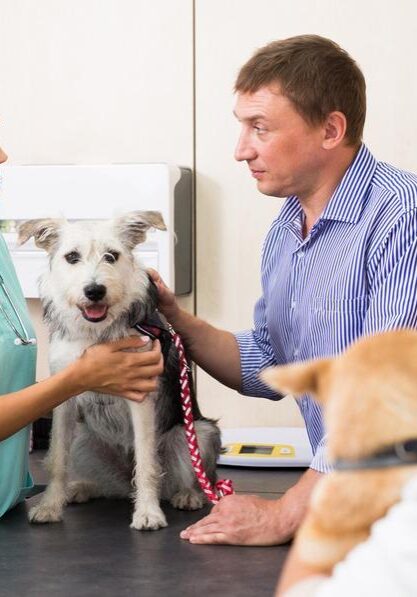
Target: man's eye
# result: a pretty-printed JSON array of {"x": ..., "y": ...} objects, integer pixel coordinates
[
  {"x": 73, "y": 257},
  {"x": 259, "y": 129},
  {"x": 111, "y": 256}
]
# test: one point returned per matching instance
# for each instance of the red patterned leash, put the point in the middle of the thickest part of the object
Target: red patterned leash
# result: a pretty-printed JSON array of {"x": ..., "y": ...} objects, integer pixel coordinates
[{"x": 224, "y": 486}]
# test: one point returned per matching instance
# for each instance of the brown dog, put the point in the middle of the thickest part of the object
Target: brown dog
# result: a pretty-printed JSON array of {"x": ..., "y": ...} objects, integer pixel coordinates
[{"x": 370, "y": 403}]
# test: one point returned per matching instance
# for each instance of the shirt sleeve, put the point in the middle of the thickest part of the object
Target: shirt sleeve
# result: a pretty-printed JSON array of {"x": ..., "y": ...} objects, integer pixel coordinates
[
  {"x": 392, "y": 275},
  {"x": 320, "y": 462},
  {"x": 256, "y": 354}
]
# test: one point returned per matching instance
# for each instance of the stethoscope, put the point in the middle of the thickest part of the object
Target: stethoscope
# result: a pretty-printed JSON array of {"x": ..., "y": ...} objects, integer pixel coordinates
[{"x": 19, "y": 340}]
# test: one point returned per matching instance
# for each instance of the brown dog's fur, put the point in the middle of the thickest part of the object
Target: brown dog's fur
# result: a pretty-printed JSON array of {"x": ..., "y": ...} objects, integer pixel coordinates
[{"x": 369, "y": 396}]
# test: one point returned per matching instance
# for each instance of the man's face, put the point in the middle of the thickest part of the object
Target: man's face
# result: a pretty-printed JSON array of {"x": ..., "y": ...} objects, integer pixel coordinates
[
  {"x": 3, "y": 156},
  {"x": 282, "y": 150}
]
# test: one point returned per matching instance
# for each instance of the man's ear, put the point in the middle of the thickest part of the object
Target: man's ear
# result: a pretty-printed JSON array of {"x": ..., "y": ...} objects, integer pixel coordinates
[
  {"x": 132, "y": 227},
  {"x": 298, "y": 378},
  {"x": 335, "y": 127},
  {"x": 44, "y": 232}
]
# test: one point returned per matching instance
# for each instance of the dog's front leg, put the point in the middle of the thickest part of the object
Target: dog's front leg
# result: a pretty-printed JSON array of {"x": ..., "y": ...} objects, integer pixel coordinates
[
  {"x": 51, "y": 506},
  {"x": 148, "y": 514}
]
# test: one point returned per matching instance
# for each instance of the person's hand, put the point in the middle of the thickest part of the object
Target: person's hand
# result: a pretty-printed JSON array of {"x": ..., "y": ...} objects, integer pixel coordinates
[
  {"x": 250, "y": 520},
  {"x": 167, "y": 303},
  {"x": 239, "y": 520},
  {"x": 107, "y": 368}
]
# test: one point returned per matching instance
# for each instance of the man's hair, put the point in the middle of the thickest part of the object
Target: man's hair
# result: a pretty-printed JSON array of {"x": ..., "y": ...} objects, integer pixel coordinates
[{"x": 315, "y": 74}]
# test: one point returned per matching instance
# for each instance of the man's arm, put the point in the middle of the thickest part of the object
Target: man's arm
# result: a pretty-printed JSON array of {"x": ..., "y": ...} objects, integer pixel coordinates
[
  {"x": 392, "y": 274},
  {"x": 216, "y": 351},
  {"x": 250, "y": 520},
  {"x": 234, "y": 360}
]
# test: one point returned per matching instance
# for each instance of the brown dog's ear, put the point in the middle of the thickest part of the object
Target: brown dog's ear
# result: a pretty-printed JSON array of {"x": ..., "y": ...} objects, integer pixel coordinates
[
  {"x": 132, "y": 227},
  {"x": 44, "y": 232},
  {"x": 298, "y": 378}
]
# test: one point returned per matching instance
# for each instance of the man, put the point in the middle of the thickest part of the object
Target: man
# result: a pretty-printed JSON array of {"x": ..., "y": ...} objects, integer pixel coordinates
[{"x": 340, "y": 260}]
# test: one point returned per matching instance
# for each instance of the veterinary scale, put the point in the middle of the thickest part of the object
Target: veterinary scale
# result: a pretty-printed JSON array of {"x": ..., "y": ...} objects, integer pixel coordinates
[{"x": 266, "y": 447}]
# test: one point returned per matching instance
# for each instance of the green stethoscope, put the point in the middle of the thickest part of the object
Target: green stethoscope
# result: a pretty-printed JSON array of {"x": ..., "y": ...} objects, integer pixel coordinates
[{"x": 24, "y": 339}]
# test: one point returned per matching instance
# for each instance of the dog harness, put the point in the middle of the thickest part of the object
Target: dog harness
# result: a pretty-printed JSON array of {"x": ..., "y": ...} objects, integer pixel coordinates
[
  {"x": 155, "y": 329},
  {"x": 398, "y": 454}
]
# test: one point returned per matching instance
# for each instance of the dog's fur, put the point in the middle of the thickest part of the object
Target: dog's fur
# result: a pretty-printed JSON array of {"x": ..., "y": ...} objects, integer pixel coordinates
[
  {"x": 108, "y": 446},
  {"x": 370, "y": 402}
]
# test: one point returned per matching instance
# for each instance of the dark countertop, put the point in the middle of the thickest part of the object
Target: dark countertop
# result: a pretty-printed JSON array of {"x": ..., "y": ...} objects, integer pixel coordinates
[{"x": 94, "y": 552}]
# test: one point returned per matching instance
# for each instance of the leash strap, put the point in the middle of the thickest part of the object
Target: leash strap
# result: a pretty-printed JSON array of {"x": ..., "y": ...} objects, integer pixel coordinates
[{"x": 224, "y": 486}]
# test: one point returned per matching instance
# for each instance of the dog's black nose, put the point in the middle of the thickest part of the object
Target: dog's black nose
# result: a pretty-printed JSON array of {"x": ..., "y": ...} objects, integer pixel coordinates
[{"x": 95, "y": 292}]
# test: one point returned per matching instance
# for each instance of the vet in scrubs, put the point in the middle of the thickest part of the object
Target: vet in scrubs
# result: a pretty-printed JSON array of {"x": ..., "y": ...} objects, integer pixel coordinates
[{"x": 17, "y": 371}]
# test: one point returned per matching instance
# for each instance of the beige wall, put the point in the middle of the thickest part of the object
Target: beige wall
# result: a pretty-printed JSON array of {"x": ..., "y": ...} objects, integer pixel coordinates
[{"x": 96, "y": 81}]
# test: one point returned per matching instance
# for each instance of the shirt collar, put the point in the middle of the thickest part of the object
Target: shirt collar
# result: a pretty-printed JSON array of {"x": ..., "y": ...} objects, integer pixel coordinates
[{"x": 346, "y": 203}]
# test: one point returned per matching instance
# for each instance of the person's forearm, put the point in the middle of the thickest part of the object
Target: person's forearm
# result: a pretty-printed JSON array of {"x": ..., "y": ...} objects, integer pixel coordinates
[
  {"x": 18, "y": 409},
  {"x": 294, "y": 504},
  {"x": 216, "y": 351}
]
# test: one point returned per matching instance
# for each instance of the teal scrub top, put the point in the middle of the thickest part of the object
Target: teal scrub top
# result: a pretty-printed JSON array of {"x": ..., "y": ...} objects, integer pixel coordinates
[{"x": 17, "y": 370}]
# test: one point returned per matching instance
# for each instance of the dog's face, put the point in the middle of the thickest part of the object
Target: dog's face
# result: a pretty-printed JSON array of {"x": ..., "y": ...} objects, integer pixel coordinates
[
  {"x": 369, "y": 393},
  {"x": 93, "y": 276}
]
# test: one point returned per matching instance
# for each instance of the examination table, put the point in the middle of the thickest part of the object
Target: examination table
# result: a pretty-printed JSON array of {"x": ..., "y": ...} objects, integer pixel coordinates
[{"x": 95, "y": 553}]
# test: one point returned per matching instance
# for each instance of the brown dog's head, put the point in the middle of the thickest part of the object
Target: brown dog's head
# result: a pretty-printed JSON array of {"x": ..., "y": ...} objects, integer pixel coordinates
[{"x": 369, "y": 393}]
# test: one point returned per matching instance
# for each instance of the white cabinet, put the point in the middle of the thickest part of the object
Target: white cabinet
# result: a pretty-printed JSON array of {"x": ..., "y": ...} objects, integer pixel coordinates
[{"x": 100, "y": 192}]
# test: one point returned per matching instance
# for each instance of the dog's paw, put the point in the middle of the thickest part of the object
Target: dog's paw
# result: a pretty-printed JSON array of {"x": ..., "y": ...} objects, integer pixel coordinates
[
  {"x": 187, "y": 500},
  {"x": 148, "y": 519},
  {"x": 79, "y": 492},
  {"x": 46, "y": 512}
]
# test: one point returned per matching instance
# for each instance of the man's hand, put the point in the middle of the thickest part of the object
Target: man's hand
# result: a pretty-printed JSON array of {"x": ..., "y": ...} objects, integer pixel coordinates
[
  {"x": 250, "y": 520},
  {"x": 167, "y": 303},
  {"x": 237, "y": 520}
]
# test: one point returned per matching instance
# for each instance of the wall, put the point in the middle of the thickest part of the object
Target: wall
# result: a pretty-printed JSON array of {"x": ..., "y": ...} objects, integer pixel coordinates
[{"x": 96, "y": 81}]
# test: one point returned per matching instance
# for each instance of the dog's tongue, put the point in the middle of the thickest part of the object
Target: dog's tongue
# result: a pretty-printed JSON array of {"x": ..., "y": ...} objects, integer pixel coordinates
[{"x": 95, "y": 311}]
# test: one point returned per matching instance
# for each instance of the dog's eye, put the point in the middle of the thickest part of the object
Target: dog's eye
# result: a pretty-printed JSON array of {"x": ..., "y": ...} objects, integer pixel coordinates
[
  {"x": 73, "y": 257},
  {"x": 111, "y": 256}
]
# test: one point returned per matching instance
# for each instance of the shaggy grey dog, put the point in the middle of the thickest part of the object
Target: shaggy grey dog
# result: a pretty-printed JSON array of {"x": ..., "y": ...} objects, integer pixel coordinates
[{"x": 96, "y": 291}]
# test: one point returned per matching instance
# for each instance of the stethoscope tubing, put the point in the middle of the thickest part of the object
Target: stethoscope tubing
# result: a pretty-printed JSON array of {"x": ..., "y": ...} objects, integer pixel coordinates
[{"x": 20, "y": 340}]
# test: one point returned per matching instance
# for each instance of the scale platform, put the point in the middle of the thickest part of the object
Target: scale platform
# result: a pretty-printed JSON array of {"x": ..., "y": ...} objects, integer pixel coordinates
[{"x": 266, "y": 447}]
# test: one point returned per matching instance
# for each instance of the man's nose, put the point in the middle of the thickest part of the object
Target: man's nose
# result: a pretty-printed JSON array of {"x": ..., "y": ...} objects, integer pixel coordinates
[{"x": 244, "y": 149}]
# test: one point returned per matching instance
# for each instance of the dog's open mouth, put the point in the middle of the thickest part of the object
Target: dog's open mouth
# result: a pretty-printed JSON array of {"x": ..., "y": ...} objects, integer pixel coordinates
[{"x": 94, "y": 313}]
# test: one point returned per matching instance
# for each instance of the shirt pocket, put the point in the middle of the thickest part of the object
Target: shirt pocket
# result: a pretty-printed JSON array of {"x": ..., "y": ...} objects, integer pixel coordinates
[{"x": 335, "y": 322}]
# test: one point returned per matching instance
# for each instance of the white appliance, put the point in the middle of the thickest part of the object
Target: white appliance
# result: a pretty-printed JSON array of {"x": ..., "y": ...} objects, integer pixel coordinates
[
  {"x": 101, "y": 192},
  {"x": 266, "y": 447}
]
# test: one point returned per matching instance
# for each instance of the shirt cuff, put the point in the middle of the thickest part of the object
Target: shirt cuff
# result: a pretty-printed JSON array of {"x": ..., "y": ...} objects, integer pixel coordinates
[
  {"x": 320, "y": 462},
  {"x": 252, "y": 361}
]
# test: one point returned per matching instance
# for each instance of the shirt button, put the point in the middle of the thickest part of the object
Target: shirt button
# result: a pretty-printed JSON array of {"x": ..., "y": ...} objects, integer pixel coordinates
[
  {"x": 296, "y": 352},
  {"x": 300, "y": 254},
  {"x": 293, "y": 304}
]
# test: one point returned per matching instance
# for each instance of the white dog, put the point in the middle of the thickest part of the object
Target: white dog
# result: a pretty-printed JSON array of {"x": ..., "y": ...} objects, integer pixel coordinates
[{"x": 95, "y": 291}]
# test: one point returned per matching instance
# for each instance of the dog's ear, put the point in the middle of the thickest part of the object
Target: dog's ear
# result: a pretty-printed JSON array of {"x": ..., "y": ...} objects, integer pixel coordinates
[
  {"x": 44, "y": 232},
  {"x": 298, "y": 378},
  {"x": 132, "y": 227}
]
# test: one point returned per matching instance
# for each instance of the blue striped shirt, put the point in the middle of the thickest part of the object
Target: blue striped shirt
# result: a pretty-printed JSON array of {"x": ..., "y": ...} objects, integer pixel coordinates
[{"x": 354, "y": 274}]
